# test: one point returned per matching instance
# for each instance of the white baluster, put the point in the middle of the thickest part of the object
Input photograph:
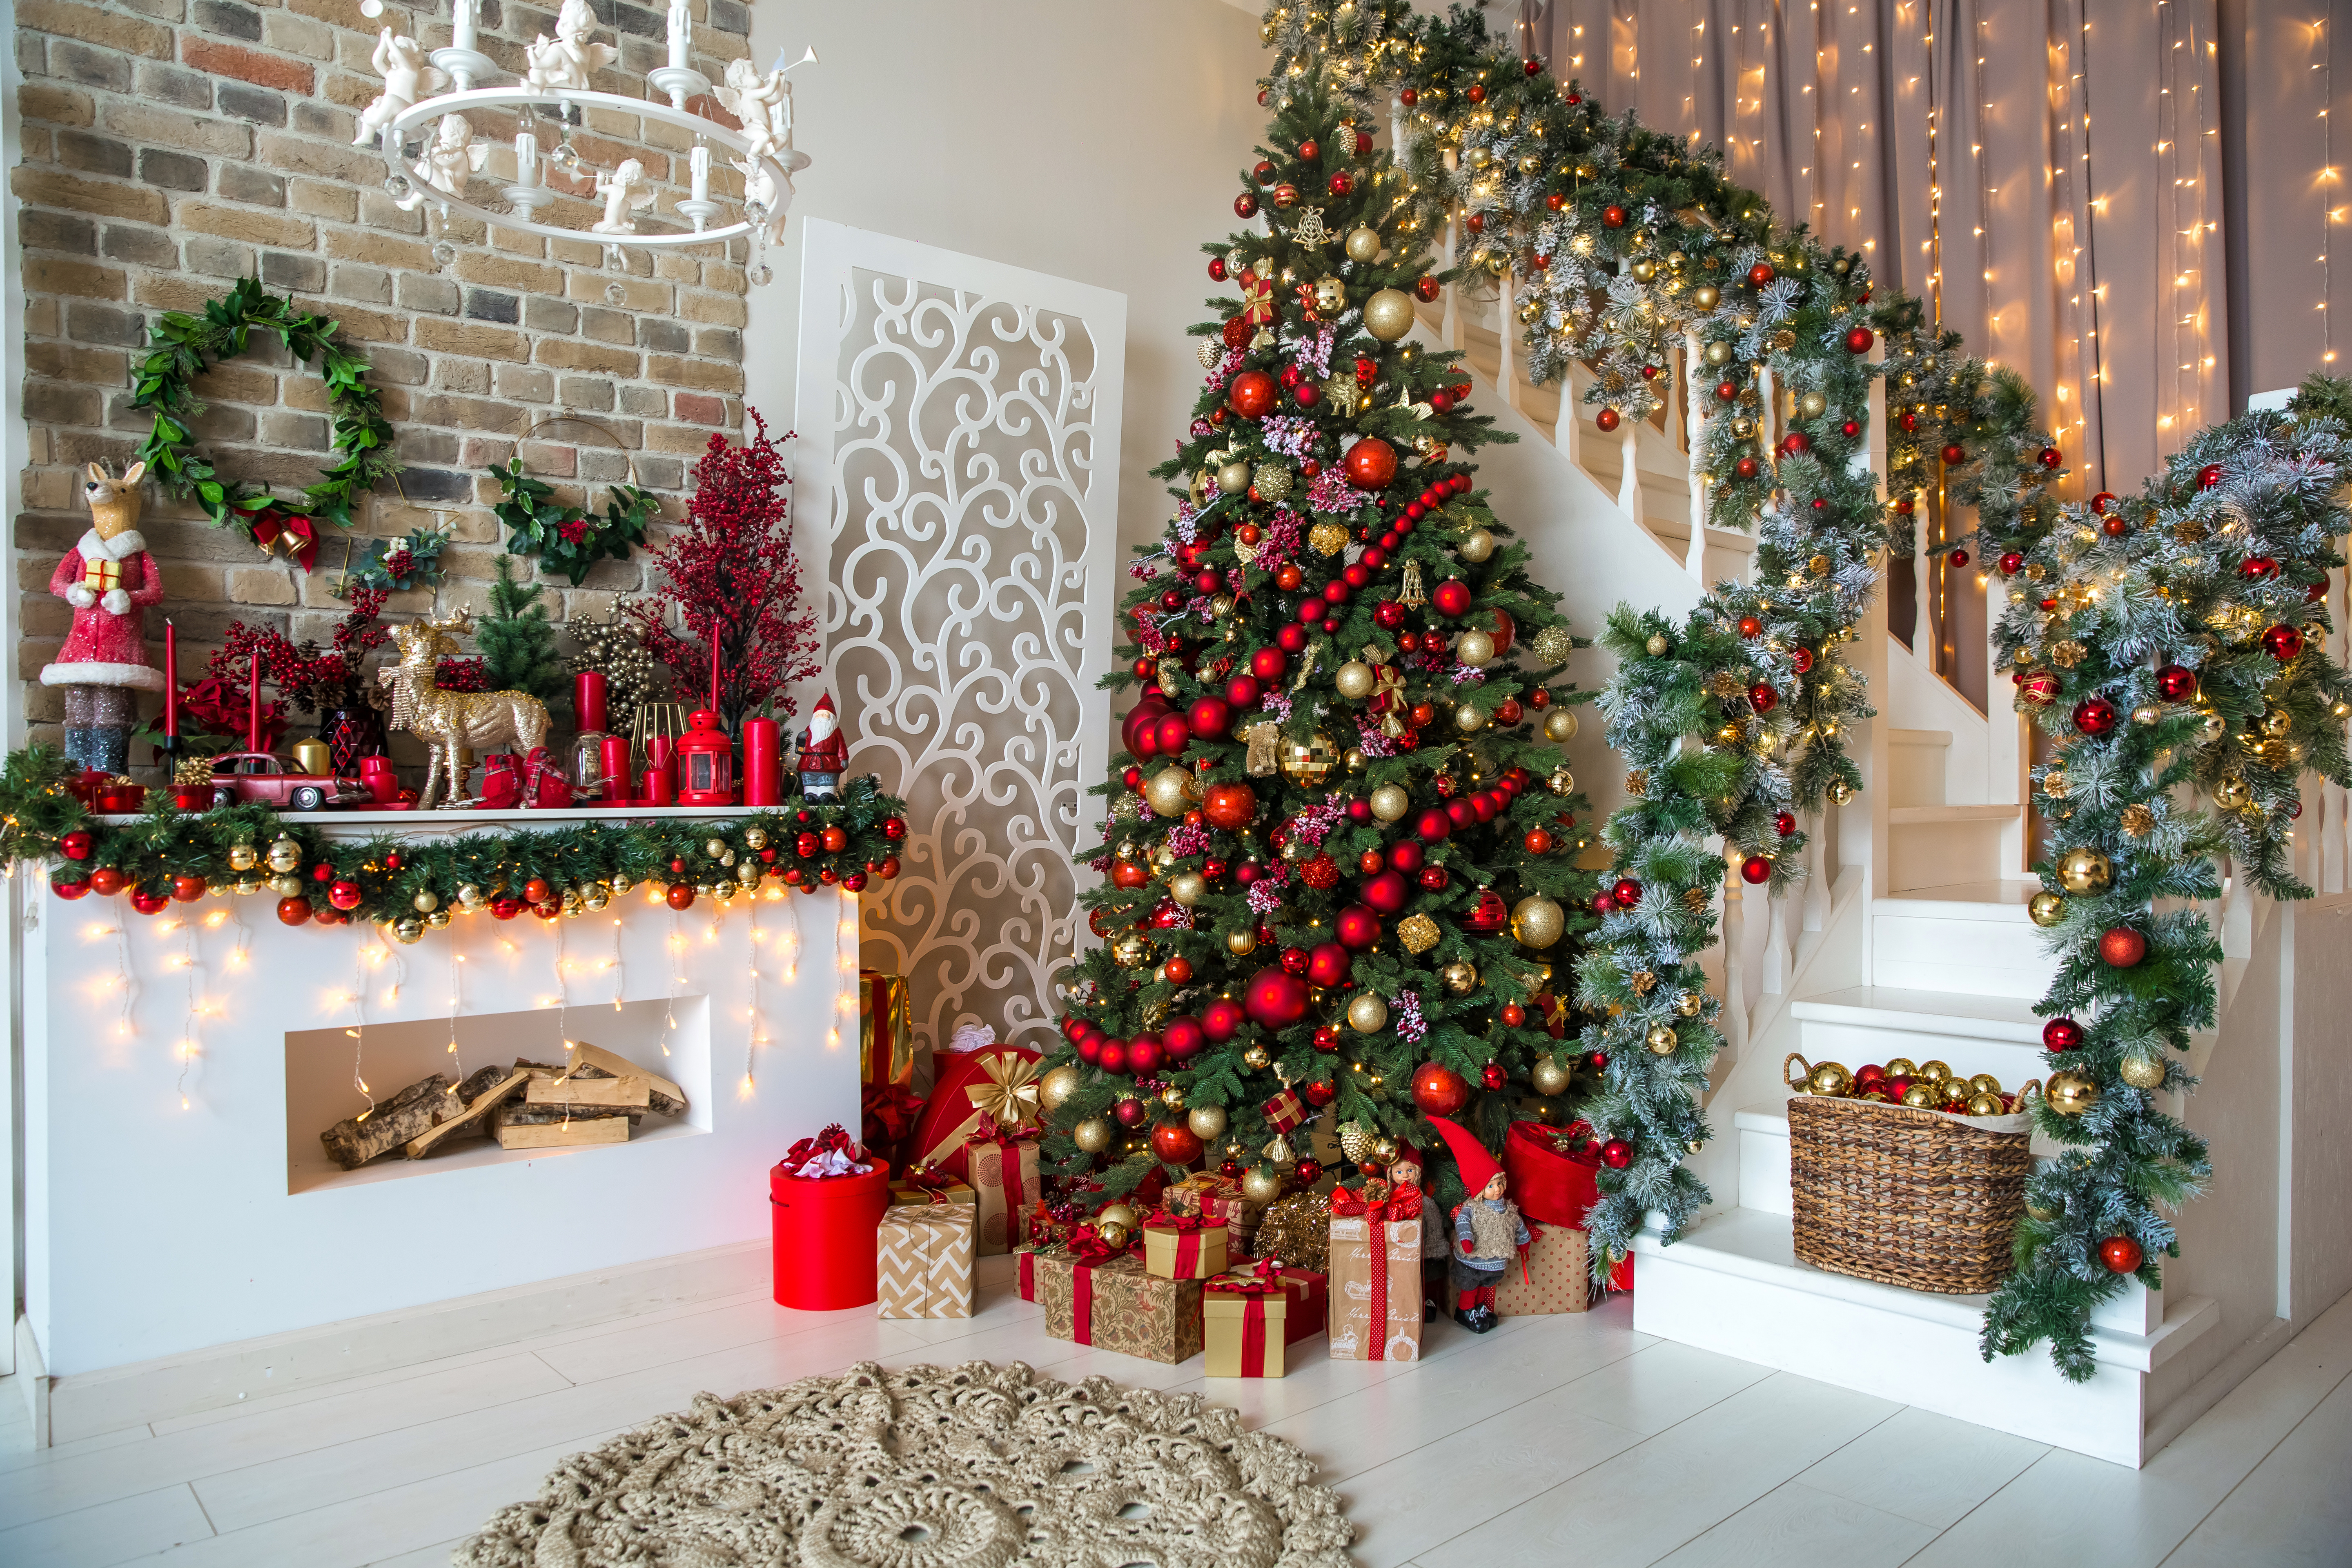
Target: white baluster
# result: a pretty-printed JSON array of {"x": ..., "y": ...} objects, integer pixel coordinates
[
  {"x": 1629, "y": 481},
  {"x": 1694, "y": 558},
  {"x": 1569, "y": 433},
  {"x": 1733, "y": 1019},
  {"x": 1774, "y": 978},
  {"x": 1817, "y": 890},
  {"x": 1507, "y": 332}
]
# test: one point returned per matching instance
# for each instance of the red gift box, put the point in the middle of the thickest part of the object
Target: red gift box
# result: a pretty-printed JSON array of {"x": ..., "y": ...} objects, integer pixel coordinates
[
  {"x": 998, "y": 1083},
  {"x": 824, "y": 1241},
  {"x": 502, "y": 781},
  {"x": 1554, "y": 1186},
  {"x": 1286, "y": 1111}
]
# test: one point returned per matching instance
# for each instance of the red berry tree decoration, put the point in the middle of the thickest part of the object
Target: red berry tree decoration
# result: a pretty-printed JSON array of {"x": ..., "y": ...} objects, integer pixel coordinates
[{"x": 731, "y": 571}]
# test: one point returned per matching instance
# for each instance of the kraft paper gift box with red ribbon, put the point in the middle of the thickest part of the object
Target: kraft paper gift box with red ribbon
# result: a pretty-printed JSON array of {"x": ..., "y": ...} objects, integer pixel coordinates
[
  {"x": 922, "y": 1260},
  {"x": 1115, "y": 1305},
  {"x": 1552, "y": 1275},
  {"x": 1554, "y": 1183},
  {"x": 1184, "y": 1247},
  {"x": 1003, "y": 1171},
  {"x": 1250, "y": 1318},
  {"x": 1375, "y": 1280}
]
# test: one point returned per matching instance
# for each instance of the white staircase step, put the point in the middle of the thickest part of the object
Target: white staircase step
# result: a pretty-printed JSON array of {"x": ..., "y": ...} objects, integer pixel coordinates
[
  {"x": 1733, "y": 1285},
  {"x": 1917, "y": 760},
  {"x": 1935, "y": 846},
  {"x": 1967, "y": 937}
]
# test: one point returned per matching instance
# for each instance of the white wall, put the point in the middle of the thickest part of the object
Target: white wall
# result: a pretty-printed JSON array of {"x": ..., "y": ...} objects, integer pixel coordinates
[{"x": 1095, "y": 142}]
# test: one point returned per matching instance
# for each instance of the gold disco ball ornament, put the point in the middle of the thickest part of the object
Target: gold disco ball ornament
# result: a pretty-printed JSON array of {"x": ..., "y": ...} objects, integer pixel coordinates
[
  {"x": 1132, "y": 951},
  {"x": 1367, "y": 1013},
  {"x": 1560, "y": 725},
  {"x": 1538, "y": 921},
  {"x": 1476, "y": 546},
  {"x": 1057, "y": 1086},
  {"x": 1188, "y": 887},
  {"x": 1391, "y": 801},
  {"x": 1354, "y": 680},
  {"x": 1460, "y": 977},
  {"x": 1363, "y": 244},
  {"x": 2045, "y": 908},
  {"x": 1388, "y": 314},
  {"x": 2069, "y": 1093},
  {"x": 2085, "y": 870},
  {"x": 1308, "y": 761},
  {"x": 1206, "y": 1120},
  {"x": 1547, "y": 1077},
  {"x": 1169, "y": 792}
]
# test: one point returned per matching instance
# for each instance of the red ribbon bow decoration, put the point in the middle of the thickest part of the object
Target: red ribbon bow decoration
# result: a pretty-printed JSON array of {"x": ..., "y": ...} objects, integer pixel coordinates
[
  {"x": 1089, "y": 1249},
  {"x": 1182, "y": 1222},
  {"x": 887, "y": 1113},
  {"x": 1261, "y": 1278},
  {"x": 1401, "y": 1202},
  {"x": 834, "y": 1140},
  {"x": 297, "y": 533}
]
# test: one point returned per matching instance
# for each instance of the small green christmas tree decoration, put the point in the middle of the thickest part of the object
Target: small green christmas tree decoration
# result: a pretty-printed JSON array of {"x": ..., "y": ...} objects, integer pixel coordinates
[{"x": 517, "y": 640}]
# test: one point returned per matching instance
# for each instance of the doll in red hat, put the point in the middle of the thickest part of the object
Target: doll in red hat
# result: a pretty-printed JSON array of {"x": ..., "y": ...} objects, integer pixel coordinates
[{"x": 1487, "y": 1229}]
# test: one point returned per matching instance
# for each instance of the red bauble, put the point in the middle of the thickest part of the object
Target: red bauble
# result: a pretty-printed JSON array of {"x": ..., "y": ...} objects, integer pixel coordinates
[
  {"x": 1859, "y": 340},
  {"x": 1342, "y": 183},
  {"x": 1129, "y": 873},
  {"x": 1236, "y": 332},
  {"x": 1327, "y": 1037},
  {"x": 2050, "y": 457},
  {"x": 1371, "y": 463},
  {"x": 2176, "y": 684},
  {"x": 681, "y": 896},
  {"x": 1406, "y": 854},
  {"x": 2039, "y": 689},
  {"x": 1434, "y": 879},
  {"x": 1245, "y": 206},
  {"x": 1328, "y": 964},
  {"x": 1182, "y": 1037},
  {"x": 1763, "y": 698},
  {"x": 1597, "y": 1061},
  {"x": 1606, "y": 419},
  {"x": 147, "y": 902},
  {"x": 2060, "y": 1035},
  {"x": 345, "y": 895},
  {"x": 1727, "y": 391},
  {"x": 1957, "y": 558},
  {"x": 1130, "y": 1113},
  {"x": 1428, "y": 289},
  {"x": 2122, "y": 947},
  {"x": 1111, "y": 1056},
  {"x": 1268, "y": 663},
  {"x": 1309, "y": 151},
  {"x": 1452, "y": 597},
  {"x": 1612, "y": 216},
  {"x": 1760, "y": 274},
  {"x": 1747, "y": 467},
  {"x": 1756, "y": 869},
  {"x": 2283, "y": 643},
  {"x": 1232, "y": 806},
  {"x": 1434, "y": 826},
  {"x": 1438, "y": 1089},
  {"x": 1475, "y": 93},
  {"x": 1275, "y": 998},
  {"x": 74, "y": 845},
  {"x": 106, "y": 881},
  {"x": 1222, "y": 1019},
  {"x": 1217, "y": 267},
  {"x": 1955, "y": 454},
  {"x": 1626, "y": 893},
  {"x": 1171, "y": 735},
  {"x": 1493, "y": 1075},
  {"x": 2012, "y": 563},
  {"x": 70, "y": 890},
  {"x": 293, "y": 911},
  {"x": 2094, "y": 716},
  {"x": 2116, "y": 526},
  {"x": 1174, "y": 1143},
  {"x": 187, "y": 889},
  {"x": 1750, "y": 627},
  {"x": 894, "y": 828},
  {"x": 1616, "y": 1153},
  {"x": 1358, "y": 926},
  {"x": 1208, "y": 717},
  {"x": 2121, "y": 1254},
  {"x": 1252, "y": 394},
  {"x": 1538, "y": 841},
  {"x": 1243, "y": 691},
  {"x": 2208, "y": 476}
]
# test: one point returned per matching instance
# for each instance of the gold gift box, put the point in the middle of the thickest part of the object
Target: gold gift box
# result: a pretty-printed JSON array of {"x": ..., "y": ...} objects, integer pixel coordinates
[
  {"x": 1117, "y": 1306},
  {"x": 1161, "y": 1244}
]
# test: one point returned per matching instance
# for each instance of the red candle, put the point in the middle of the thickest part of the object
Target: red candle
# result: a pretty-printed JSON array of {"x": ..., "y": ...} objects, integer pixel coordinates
[
  {"x": 588, "y": 701},
  {"x": 171, "y": 679},
  {"x": 763, "y": 762},
  {"x": 617, "y": 768},
  {"x": 659, "y": 781},
  {"x": 714, "y": 663},
  {"x": 253, "y": 713}
]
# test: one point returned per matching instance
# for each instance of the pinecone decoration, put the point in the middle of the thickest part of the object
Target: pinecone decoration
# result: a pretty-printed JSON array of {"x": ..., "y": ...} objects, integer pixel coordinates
[
  {"x": 2139, "y": 821},
  {"x": 612, "y": 645},
  {"x": 1356, "y": 1141}
]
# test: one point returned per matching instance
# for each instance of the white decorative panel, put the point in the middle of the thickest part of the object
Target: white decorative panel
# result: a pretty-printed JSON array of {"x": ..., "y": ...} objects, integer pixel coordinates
[{"x": 959, "y": 422}]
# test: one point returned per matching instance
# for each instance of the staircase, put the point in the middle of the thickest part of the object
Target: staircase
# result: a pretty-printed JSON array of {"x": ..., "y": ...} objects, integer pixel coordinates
[{"x": 1909, "y": 937}]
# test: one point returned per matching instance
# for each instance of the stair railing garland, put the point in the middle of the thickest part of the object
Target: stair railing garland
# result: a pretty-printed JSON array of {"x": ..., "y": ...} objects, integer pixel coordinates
[
  {"x": 2169, "y": 642},
  {"x": 411, "y": 886},
  {"x": 184, "y": 346}
]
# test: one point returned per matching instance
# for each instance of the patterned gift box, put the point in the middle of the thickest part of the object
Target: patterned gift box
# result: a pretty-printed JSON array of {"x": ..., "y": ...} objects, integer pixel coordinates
[
  {"x": 1375, "y": 1313},
  {"x": 885, "y": 1029},
  {"x": 949, "y": 1192},
  {"x": 1250, "y": 1319},
  {"x": 1182, "y": 1247},
  {"x": 923, "y": 1262},
  {"x": 1553, "y": 1276},
  {"x": 1004, "y": 1174},
  {"x": 1203, "y": 1194},
  {"x": 1117, "y": 1306}
]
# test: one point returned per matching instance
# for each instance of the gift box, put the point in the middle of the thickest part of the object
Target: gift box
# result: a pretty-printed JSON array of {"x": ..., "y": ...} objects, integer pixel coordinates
[
  {"x": 824, "y": 1238},
  {"x": 1554, "y": 1185},
  {"x": 1178, "y": 1247},
  {"x": 1003, "y": 1178},
  {"x": 1203, "y": 1194},
  {"x": 1552, "y": 1276},
  {"x": 885, "y": 1029},
  {"x": 922, "y": 1266},
  {"x": 1251, "y": 1317},
  {"x": 1375, "y": 1286},
  {"x": 1116, "y": 1305},
  {"x": 907, "y": 1192},
  {"x": 1027, "y": 1253},
  {"x": 974, "y": 1094},
  {"x": 887, "y": 1119}
]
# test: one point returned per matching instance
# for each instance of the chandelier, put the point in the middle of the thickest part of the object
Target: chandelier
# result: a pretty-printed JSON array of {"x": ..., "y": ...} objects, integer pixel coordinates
[{"x": 421, "y": 122}]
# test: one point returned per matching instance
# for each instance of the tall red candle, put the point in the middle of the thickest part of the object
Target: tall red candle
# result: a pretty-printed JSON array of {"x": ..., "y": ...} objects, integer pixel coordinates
[
  {"x": 661, "y": 784},
  {"x": 617, "y": 768},
  {"x": 714, "y": 664},
  {"x": 253, "y": 712},
  {"x": 171, "y": 679},
  {"x": 763, "y": 762},
  {"x": 588, "y": 701}
]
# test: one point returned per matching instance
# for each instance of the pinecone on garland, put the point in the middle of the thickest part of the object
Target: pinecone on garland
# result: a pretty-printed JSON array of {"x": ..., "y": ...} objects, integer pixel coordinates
[{"x": 612, "y": 645}]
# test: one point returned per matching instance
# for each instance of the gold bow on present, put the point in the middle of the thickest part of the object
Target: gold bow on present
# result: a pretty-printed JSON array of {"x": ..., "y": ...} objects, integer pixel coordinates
[
  {"x": 1009, "y": 1098},
  {"x": 1258, "y": 297}
]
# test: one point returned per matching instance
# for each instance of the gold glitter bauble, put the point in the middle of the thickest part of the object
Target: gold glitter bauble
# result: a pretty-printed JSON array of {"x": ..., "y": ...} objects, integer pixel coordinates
[
  {"x": 1363, "y": 244},
  {"x": 1547, "y": 1077},
  {"x": 2085, "y": 870},
  {"x": 1460, "y": 977},
  {"x": 1553, "y": 645},
  {"x": 1476, "y": 546},
  {"x": 1658, "y": 646},
  {"x": 1538, "y": 921},
  {"x": 1367, "y": 1013},
  {"x": 1242, "y": 943},
  {"x": 1388, "y": 314},
  {"x": 1475, "y": 648},
  {"x": 1169, "y": 792},
  {"x": 1058, "y": 1085},
  {"x": 1206, "y": 1120},
  {"x": 1819, "y": 566},
  {"x": 1262, "y": 1183},
  {"x": 1419, "y": 933},
  {"x": 1188, "y": 887},
  {"x": 1391, "y": 801},
  {"x": 2054, "y": 785},
  {"x": 1256, "y": 1059},
  {"x": 1272, "y": 482},
  {"x": 1560, "y": 725},
  {"x": 2142, "y": 1072},
  {"x": 1354, "y": 680},
  {"x": 2070, "y": 1093},
  {"x": 1718, "y": 352},
  {"x": 715, "y": 848},
  {"x": 1326, "y": 538},
  {"x": 1307, "y": 762},
  {"x": 2044, "y": 909}
]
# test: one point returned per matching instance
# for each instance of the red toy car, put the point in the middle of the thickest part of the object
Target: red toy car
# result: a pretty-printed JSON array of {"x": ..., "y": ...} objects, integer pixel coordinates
[{"x": 249, "y": 777}]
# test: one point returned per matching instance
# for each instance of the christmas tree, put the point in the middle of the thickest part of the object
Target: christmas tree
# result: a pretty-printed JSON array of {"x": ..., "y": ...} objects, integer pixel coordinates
[
  {"x": 517, "y": 643},
  {"x": 1341, "y": 845}
]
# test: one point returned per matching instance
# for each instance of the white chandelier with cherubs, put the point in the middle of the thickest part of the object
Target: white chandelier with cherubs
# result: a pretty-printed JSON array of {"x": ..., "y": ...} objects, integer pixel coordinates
[{"x": 434, "y": 157}]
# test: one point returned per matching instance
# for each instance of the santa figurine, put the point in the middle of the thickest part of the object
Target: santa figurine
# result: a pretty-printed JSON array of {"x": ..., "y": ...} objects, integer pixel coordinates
[
  {"x": 109, "y": 580},
  {"x": 825, "y": 755},
  {"x": 1487, "y": 1230}
]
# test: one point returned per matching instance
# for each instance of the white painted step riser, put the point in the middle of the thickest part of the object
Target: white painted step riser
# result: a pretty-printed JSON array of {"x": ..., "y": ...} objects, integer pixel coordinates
[
  {"x": 1937, "y": 854},
  {"x": 1978, "y": 958},
  {"x": 1764, "y": 1180},
  {"x": 1916, "y": 773}
]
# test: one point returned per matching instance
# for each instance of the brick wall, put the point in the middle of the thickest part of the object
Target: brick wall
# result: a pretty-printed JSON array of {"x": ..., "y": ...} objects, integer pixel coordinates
[{"x": 173, "y": 146}]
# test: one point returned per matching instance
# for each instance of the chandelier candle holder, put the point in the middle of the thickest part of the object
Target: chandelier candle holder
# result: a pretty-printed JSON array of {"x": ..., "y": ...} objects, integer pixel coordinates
[{"x": 431, "y": 153}]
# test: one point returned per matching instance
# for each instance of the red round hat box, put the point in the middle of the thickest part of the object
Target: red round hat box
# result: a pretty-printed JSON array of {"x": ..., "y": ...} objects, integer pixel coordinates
[{"x": 824, "y": 1237}]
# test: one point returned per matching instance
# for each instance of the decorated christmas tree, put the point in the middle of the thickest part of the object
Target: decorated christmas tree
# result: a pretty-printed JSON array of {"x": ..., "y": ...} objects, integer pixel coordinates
[{"x": 1342, "y": 850}]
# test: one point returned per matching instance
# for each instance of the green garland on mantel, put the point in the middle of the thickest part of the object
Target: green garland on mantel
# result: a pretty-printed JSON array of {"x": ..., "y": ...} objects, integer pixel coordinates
[
  {"x": 184, "y": 346},
  {"x": 411, "y": 885}
]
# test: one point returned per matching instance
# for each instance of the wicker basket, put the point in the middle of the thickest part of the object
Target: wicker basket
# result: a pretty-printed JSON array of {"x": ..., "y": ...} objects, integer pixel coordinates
[{"x": 1904, "y": 1196}]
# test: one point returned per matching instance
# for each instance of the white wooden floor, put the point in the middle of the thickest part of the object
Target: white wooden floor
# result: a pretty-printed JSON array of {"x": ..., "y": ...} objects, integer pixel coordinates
[{"x": 1553, "y": 1440}]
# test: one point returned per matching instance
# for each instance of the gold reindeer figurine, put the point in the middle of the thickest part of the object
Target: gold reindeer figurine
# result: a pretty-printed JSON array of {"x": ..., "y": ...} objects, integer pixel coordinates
[{"x": 448, "y": 721}]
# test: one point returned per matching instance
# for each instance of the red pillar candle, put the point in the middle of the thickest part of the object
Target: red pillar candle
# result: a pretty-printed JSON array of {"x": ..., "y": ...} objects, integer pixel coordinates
[
  {"x": 253, "y": 708},
  {"x": 764, "y": 767},
  {"x": 588, "y": 701},
  {"x": 660, "y": 783},
  {"x": 617, "y": 768},
  {"x": 171, "y": 679}
]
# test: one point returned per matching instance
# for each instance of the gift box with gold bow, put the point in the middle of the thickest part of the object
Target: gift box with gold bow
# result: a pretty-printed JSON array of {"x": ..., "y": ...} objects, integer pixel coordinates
[{"x": 979, "y": 1094}]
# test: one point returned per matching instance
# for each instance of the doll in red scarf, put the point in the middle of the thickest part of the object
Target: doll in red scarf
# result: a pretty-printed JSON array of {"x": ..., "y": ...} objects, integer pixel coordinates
[{"x": 109, "y": 580}]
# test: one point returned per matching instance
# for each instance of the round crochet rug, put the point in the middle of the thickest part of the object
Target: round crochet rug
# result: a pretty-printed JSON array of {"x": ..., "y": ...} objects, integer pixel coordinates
[{"x": 976, "y": 1466}]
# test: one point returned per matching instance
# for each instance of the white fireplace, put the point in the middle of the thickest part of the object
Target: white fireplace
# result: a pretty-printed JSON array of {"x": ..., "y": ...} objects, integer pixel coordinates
[{"x": 180, "y": 1068}]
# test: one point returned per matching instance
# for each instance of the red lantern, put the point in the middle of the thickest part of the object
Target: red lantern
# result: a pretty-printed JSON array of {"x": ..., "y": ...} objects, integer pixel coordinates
[
  {"x": 2121, "y": 1254},
  {"x": 705, "y": 761},
  {"x": 1438, "y": 1089},
  {"x": 1371, "y": 464}
]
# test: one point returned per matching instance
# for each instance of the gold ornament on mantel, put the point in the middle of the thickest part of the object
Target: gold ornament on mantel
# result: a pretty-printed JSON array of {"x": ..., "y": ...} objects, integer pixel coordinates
[{"x": 2045, "y": 908}]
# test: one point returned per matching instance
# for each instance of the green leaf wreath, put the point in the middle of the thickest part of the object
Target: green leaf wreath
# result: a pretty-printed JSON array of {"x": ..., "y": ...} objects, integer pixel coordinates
[
  {"x": 186, "y": 346},
  {"x": 567, "y": 540}
]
